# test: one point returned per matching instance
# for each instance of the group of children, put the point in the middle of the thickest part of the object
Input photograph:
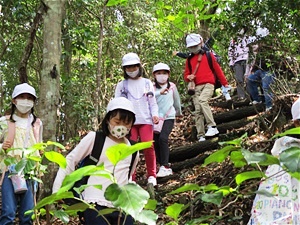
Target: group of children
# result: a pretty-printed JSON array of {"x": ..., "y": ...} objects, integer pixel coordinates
[{"x": 137, "y": 105}]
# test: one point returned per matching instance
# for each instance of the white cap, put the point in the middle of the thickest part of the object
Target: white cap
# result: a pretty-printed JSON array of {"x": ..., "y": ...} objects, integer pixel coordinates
[
  {"x": 296, "y": 110},
  {"x": 160, "y": 66},
  {"x": 130, "y": 59},
  {"x": 23, "y": 88},
  {"x": 120, "y": 103},
  {"x": 193, "y": 39},
  {"x": 262, "y": 32}
]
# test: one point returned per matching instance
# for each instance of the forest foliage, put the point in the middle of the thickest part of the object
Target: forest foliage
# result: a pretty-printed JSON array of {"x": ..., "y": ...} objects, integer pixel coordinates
[{"x": 96, "y": 34}]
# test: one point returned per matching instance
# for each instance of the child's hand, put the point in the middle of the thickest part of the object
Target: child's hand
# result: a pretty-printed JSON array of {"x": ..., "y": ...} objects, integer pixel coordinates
[
  {"x": 191, "y": 77},
  {"x": 164, "y": 91},
  {"x": 155, "y": 119},
  {"x": 6, "y": 144}
]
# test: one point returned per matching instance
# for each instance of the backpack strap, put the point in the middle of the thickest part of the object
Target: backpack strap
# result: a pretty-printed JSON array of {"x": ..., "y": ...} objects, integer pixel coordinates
[
  {"x": 11, "y": 130},
  {"x": 210, "y": 63},
  {"x": 93, "y": 158}
]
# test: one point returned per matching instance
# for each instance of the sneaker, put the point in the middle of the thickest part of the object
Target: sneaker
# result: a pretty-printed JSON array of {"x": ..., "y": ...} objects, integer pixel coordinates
[
  {"x": 164, "y": 171},
  {"x": 212, "y": 131},
  {"x": 152, "y": 180},
  {"x": 256, "y": 102},
  {"x": 268, "y": 109},
  {"x": 202, "y": 138}
]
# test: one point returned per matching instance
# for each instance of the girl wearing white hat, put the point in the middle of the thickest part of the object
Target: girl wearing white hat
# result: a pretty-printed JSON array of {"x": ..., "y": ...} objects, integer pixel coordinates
[
  {"x": 115, "y": 127},
  {"x": 139, "y": 91},
  {"x": 169, "y": 106},
  {"x": 21, "y": 129}
]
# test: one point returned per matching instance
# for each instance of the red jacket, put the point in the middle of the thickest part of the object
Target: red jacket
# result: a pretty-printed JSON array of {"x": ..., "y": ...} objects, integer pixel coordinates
[{"x": 204, "y": 74}]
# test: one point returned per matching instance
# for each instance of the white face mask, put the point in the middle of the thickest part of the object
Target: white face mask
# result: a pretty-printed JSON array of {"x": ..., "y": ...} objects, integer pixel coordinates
[
  {"x": 133, "y": 74},
  {"x": 162, "y": 78},
  {"x": 118, "y": 131},
  {"x": 195, "y": 49},
  {"x": 24, "y": 105}
]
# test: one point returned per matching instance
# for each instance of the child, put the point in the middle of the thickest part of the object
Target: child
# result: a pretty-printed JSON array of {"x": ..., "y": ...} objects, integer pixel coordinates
[
  {"x": 24, "y": 129},
  {"x": 116, "y": 126},
  {"x": 283, "y": 207},
  {"x": 168, "y": 101},
  {"x": 140, "y": 91}
]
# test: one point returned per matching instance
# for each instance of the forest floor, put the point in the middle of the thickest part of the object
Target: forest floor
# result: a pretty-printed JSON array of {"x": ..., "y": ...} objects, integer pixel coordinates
[{"x": 234, "y": 209}]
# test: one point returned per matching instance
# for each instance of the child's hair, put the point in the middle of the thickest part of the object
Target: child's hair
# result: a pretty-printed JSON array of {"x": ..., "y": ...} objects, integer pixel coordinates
[
  {"x": 157, "y": 85},
  {"x": 13, "y": 109},
  {"x": 125, "y": 115},
  {"x": 141, "y": 71}
]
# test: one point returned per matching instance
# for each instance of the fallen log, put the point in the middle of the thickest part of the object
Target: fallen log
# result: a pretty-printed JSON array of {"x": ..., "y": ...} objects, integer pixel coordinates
[{"x": 237, "y": 114}]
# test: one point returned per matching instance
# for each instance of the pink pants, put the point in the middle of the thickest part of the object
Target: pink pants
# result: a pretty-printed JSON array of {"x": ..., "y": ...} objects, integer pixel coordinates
[{"x": 145, "y": 132}]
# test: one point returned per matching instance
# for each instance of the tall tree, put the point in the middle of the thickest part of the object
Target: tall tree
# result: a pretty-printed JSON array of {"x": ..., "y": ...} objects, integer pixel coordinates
[{"x": 50, "y": 76}]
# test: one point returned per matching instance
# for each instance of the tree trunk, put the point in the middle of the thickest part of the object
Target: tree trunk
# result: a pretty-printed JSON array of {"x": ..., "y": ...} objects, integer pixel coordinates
[{"x": 50, "y": 77}]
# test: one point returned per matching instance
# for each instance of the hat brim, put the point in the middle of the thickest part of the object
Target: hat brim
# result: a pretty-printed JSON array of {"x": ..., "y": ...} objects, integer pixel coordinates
[{"x": 132, "y": 62}]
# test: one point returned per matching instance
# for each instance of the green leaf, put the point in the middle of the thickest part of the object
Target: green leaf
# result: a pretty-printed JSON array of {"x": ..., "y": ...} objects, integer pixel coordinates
[
  {"x": 147, "y": 217},
  {"x": 151, "y": 204},
  {"x": 238, "y": 159},
  {"x": 56, "y": 144},
  {"x": 290, "y": 158},
  {"x": 220, "y": 155},
  {"x": 215, "y": 198},
  {"x": 56, "y": 157},
  {"x": 131, "y": 198},
  {"x": 288, "y": 132},
  {"x": 254, "y": 157},
  {"x": 186, "y": 187},
  {"x": 119, "y": 152},
  {"x": 174, "y": 210},
  {"x": 116, "y": 2},
  {"x": 240, "y": 178},
  {"x": 62, "y": 215}
]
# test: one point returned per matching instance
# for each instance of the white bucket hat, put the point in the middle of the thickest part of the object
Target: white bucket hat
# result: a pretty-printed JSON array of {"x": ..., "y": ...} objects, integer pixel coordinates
[
  {"x": 296, "y": 110},
  {"x": 120, "y": 103},
  {"x": 130, "y": 59},
  {"x": 193, "y": 39},
  {"x": 23, "y": 88},
  {"x": 160, "y": 66}
]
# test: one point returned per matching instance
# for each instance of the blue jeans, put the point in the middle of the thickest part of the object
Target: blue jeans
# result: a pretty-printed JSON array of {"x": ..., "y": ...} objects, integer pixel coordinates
[
  {"x": 91, "y": 217},
  {"x": 10, "y": 202},
  {"x": 266, "y": 79}
]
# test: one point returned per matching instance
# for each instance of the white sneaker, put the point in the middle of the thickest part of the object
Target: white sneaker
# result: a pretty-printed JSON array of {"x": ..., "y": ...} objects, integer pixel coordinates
[
  {"x": 212, "y": 131},
  {"x": 268, "y": 109},
  {"x": 152, "y": 180},
  {"x": 163, "y": 172},
  {"x": 256, "y": 102},
  {"x": 227, "y": 97},
  {"x": 201, "y": 139}
]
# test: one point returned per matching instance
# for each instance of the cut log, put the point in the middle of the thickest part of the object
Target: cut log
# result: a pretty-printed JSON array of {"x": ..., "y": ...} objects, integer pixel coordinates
[{"x": 237, "y": 114}]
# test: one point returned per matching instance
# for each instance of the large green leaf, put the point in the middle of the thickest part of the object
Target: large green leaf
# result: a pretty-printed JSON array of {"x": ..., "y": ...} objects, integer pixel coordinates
[
  {"x": 220, "y": 155},
  {"x": 290, "y": 158},
  {"x": 254, "y": 157},
  {"x": 56, "y": 157},
  {"x": 215, "y": 198},
  {"x": 148, "y": 217},
  {"x": 174, "y": 210},
  {"x": 238, "y": 159},
  {"x": 241, "y": 177},
  {"x": 131, "y": 198},
  {"x": 119, "y": 152},
  {"x": 186, "y": 187},
  {"x": 78, "y": 174},
  {"x": 295, "y": 130}
]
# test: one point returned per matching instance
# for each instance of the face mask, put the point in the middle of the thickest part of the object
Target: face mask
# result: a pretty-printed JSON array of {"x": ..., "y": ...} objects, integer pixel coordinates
[
  {"x": 24, "y": 105},
  {"x": 162, "y": 78},
  {"x": 118, "y": 131},
  {"x": 195, "y": 49},
  {"x": 133, "y": 74}
]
